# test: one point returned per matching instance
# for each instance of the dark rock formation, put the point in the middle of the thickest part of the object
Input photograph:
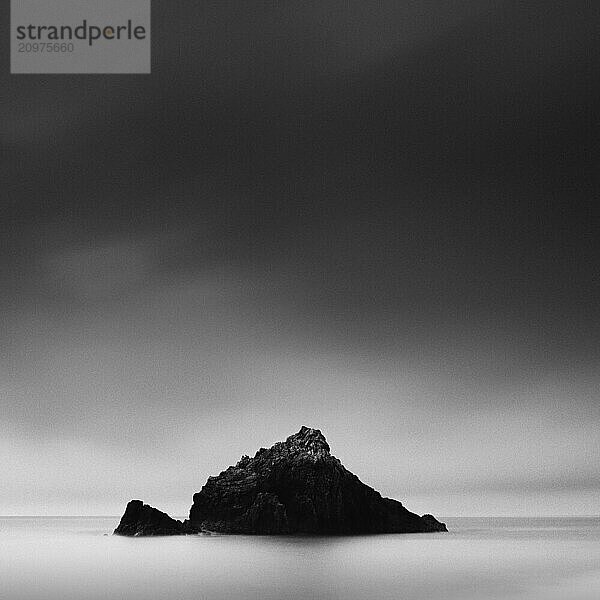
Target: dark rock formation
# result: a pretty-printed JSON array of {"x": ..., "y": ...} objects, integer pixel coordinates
[
  {"x": 295, "y": 486},
  {"x": 140, "y": 519}
]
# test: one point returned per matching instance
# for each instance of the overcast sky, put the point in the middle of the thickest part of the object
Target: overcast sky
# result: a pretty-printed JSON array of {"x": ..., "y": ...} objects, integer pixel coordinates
[{"x": 374, "y": 218}]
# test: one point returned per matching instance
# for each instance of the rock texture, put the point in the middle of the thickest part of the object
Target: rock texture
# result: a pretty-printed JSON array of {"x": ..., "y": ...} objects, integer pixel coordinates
[{"x": 295, "y": 486}]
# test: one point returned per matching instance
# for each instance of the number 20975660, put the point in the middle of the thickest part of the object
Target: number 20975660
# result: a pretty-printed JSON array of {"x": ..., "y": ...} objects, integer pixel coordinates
[{"x": 45, "y": 47}]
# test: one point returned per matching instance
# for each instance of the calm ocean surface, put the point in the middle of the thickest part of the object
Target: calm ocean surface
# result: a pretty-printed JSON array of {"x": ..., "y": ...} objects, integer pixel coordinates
[{"x": 480, "y": 559}]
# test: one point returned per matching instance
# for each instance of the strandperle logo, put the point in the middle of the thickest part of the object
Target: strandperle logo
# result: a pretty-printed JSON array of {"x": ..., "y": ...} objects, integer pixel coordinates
[
  {"x": 91, "y": 33},
  {"x": 80, "y": 36}
]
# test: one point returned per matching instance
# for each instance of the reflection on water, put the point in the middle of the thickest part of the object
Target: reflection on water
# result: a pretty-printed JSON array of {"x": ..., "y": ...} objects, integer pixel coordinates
[{"x": 480, "y": 559}]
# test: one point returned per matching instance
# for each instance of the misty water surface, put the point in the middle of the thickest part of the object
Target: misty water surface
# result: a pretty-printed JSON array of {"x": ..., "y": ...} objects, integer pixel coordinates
[{"x": 71, "y": 558}]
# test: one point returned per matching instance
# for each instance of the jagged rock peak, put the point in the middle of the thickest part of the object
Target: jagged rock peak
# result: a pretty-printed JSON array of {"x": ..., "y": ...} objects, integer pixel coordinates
[
  {"x": 308, "y": 443},
  {"x": 308, "y": 440}
]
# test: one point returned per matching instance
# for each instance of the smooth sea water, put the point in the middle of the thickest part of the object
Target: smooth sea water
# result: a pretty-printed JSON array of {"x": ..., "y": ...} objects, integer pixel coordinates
[{"x": 480, "y": 558}]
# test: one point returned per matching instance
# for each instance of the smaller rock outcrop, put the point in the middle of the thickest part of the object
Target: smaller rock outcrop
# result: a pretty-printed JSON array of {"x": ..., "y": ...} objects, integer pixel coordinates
[{"x": 140, "y": 519}]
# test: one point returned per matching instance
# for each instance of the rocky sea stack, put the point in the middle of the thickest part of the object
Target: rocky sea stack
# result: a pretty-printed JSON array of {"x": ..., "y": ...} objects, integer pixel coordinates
[{"x": 295, "y": 486}]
